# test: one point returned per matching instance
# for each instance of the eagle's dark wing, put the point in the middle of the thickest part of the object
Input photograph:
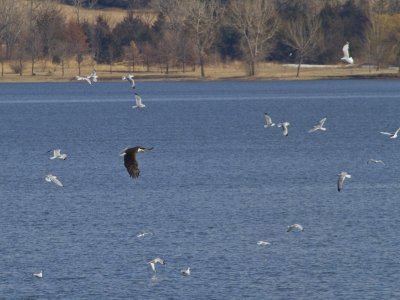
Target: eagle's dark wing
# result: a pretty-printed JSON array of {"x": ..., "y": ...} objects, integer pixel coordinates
[{"x": 131, "y": 163}]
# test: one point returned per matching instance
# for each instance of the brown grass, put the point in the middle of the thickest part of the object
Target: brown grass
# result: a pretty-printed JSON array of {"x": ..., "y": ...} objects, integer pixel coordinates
[
  {"x": 113, "y": 16},
  {"x": 281, "y": 71},
  {"x": 47, "y": 72}
]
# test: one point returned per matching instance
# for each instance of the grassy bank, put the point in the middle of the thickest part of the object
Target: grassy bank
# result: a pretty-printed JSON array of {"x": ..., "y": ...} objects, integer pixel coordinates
[{"x": 47, "y": 72}]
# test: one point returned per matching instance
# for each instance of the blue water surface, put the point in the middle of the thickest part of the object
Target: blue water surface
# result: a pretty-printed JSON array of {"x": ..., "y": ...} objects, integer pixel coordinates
[{"x": 215, "y": 183}]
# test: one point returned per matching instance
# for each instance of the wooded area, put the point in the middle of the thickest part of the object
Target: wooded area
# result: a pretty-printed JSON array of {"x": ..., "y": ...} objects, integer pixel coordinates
[{"x": 189, "y": 33}]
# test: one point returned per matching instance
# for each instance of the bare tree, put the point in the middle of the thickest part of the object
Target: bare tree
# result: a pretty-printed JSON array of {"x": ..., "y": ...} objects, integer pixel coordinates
[
  {"x": 32, "y": 41},
  {"x": 173, "y": 15},
  {"x": 8, "y": 10},
  {"x": 19, "y": 53},
  {"x": 76, "y": 41},
  {"x": 302, "y": 34},
  {"x": 148, "y": 53},
  {"x": 396, "y": 46},
  {"x": 50, "y": 25},
  {"x": 78, "y": 4},
  {"x": 166, "y": 52},
  {"x": 132, "y": 54},
  {"x": 77, "y": 9},
  {"x": 11, "y": 25},
  {"x": 257, "y": 21},
  {"x": 60, "y": 54},
  {"x": 391, "y": 39},
  {"x": 185, "y": 51},
  {"x": 92, "y": 3},
  {"x": 203, "y": 20},
  {"x": 375, "y": 37}
]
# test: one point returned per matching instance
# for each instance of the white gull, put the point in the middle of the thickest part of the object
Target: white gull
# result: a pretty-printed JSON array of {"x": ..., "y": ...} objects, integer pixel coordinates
[
  {"x": 346, "y": 55},
  {"x": 285, "y": 129},
  {"x": 263, "y": 243},
  {"x": 376, "y": 161},
  {"x": 268, "y": 121},
  {"x": 186, "y": 271},
  {"x": 54, "y": 179},
  {"x": 38, "y": 274},
  {"x": 155, "y": 261},
  {"x": 391, "y": 135},
  {"x": 57, "y": 154},
  {"x": 295, "y": 227},
  {"x": 139, "y": 103},
  {"x": 319, "y": 126},
  {"x": 342, "y": 176},
  {"x": 130, "y": 79}
]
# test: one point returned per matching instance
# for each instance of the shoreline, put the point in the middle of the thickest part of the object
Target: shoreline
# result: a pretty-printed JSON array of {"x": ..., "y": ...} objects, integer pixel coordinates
[
  {"x": 217, "y": 72},
  {"x": 47, "y": 79}
]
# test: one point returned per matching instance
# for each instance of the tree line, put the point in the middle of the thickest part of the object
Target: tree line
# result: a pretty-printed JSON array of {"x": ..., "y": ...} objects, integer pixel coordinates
[
  {"x": 185, "y": 34},
  {"x": 124, "y": 4}
]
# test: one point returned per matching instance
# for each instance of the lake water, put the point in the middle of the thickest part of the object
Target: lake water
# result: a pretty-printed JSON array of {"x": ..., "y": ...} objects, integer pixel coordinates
[{"x": 215, "y": 183}]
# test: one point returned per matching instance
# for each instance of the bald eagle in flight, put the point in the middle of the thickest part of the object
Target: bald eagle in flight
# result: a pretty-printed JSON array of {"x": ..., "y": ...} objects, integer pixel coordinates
[{"x": 130, "y": 161}]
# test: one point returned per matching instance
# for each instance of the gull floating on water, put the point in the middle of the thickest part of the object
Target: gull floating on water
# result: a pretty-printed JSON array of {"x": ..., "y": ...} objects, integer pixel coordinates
[
  {"x": 139, "y": 103},
  {"x": 156, "y": 261},
  {"x": 130, "y": 161},
  {"x": 263, "y": 243},
  {"x": 319, "y": 126},
  {"x": 391, "y": 135},
  {"x": 57, "y": 154},
  {"x": 285, "y": 129},
  {"x": 293, "y": 227},
  {"x": 130, "y": 79},
  {"x": 89, "y": 79},
  {"x": 346, "y": 55},
  {"x": 38, "y": 274},
  {"x": 142, "y": 234},
  {"x": 186, "y": 271},
  {"x": 268, "y": 121},
  {"x": 54, "y": 179},
  {"x": 341, "y": 178},
  {"x": 377, "y": 161}
]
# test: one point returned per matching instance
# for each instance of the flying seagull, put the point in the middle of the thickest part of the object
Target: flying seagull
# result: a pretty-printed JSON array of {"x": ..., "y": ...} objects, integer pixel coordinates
[
  {"x": 376, "y": 161},
  {"x": 346, "y": 55},
  {"x": 319, "y": 126},
  {"x": 263, "y": 243},
  {"x": 268, "y": 121},
  {"x": 57, "y": 154},
  {"x": 155, "y": 261},
  {"x": 295, "y": 227},
  {"x": 285, "y": 129},
  {"x": 93, "y": 76},
  {"x": 186, "y": 271},
  {"x": 54, "y": 179},
  {"x": 341, "y": 178},
  {"x": 130, "y": 161},
  {"x": 38, "y": 274},
  {"x": 391, "y": 135},
  {"x": 130, "y": 79},
  {"x": 89, "y": 79},
  {"x": 139, "y": 103}
]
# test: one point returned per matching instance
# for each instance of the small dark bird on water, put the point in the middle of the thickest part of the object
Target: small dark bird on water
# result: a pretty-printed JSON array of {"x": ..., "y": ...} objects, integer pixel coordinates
[{"x": 130, "y": 161}]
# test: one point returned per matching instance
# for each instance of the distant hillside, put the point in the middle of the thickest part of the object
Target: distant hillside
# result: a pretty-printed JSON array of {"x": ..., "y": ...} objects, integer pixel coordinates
[
  {"x": 113, "y": 15},
  {"x": 124, "y": 4}
]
